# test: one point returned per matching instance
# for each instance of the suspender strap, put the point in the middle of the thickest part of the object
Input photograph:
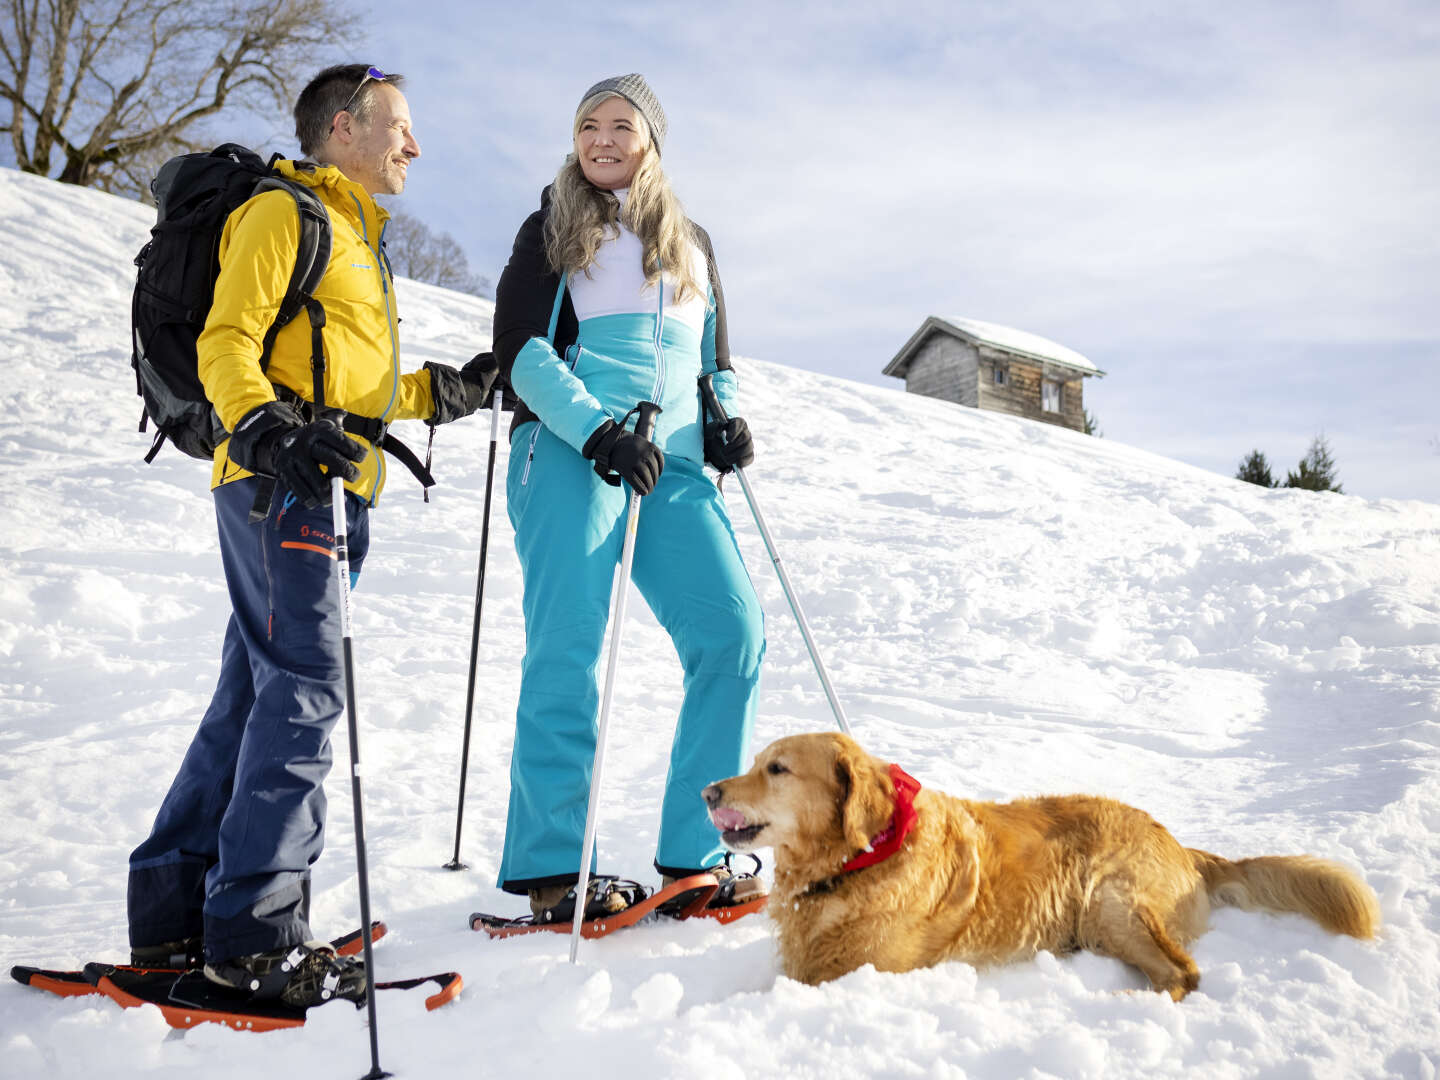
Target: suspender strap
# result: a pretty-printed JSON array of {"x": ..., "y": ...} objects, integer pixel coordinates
[{"x": 555, "y": 311}]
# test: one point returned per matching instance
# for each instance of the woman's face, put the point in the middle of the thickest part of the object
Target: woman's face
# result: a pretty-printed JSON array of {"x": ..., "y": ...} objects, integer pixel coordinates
[{"x": 609, "y": 144}]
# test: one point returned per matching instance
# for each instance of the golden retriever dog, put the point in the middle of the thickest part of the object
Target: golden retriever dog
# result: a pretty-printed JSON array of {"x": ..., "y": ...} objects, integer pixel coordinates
[{"x": 988, "y": 882}]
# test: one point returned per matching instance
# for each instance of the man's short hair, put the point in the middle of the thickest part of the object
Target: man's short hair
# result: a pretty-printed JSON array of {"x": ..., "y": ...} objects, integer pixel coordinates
[{"x": 331, "y": 92}]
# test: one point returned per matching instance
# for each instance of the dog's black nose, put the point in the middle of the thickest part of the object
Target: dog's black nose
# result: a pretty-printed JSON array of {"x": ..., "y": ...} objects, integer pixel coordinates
[{"x": 711, "y": 795}]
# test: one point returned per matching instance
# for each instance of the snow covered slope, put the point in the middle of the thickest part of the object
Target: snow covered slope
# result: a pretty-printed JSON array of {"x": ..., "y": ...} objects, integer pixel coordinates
[{"x": 1006, "y": 608}]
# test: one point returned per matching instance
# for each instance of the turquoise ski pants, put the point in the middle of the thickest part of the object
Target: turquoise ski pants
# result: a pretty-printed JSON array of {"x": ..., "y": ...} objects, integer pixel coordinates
[{"x": 569, "y": 530}]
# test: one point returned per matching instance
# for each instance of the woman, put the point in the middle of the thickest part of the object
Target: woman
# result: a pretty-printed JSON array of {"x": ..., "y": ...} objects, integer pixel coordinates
[{"x": 611, "y": 298}]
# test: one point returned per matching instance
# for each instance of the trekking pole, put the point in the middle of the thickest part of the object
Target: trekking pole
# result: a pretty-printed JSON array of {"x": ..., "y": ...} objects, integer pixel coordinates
[
  {"x": 713, "y": 406},
  {"x": 645, "y": 428},
  {"x": 342, "y": 563},
  {"x": 495, "y": 407}
]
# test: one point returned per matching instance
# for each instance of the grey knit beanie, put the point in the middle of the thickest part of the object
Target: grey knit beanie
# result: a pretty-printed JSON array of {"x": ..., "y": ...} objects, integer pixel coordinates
[{"x": 634, "y": 89}]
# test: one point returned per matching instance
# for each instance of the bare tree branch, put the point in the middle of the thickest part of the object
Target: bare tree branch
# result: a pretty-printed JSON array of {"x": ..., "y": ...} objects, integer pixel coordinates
[{"x": 94, "y": 84}]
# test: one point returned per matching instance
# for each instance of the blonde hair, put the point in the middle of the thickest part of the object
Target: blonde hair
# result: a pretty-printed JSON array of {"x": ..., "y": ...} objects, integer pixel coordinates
[{"x": 582, "y": 216}]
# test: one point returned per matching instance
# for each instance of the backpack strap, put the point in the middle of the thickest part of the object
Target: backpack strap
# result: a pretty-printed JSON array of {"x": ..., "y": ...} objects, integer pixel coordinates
[{"x": 312, "y": 256}]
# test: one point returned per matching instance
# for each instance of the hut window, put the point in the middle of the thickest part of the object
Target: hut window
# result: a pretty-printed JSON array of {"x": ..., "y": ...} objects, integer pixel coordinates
[
  {"x": 1050, "y": 395},
  {"x": 1000, "y": 375}
]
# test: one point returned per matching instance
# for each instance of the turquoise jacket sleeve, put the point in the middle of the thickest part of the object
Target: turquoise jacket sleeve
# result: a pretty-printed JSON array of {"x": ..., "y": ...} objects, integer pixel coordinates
[{"x": 554, "y": 394}]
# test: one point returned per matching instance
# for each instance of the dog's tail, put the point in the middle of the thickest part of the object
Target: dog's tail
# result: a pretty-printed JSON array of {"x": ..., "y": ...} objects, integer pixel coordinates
[{"x": 1327, "y": 892}]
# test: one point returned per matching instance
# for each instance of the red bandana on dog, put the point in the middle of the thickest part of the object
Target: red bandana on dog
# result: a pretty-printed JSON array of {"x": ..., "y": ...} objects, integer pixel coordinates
[{"x": 888, "y": 840}]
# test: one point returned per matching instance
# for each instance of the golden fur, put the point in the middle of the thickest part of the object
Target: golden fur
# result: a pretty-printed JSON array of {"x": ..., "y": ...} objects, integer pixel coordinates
[{"x": 989, "y": 882}]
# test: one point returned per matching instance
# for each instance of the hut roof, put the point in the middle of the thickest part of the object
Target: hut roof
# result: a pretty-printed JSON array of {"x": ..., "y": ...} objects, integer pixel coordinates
[{"x": 1007, "y": 339}]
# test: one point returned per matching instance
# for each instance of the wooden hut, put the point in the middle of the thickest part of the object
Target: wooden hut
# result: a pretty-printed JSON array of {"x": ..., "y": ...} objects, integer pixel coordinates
[{"x": 995, "y": 367}]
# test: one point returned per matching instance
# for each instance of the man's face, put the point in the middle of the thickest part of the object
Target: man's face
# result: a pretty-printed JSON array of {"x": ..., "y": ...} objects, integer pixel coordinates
[{"x": 380, "y": 152}]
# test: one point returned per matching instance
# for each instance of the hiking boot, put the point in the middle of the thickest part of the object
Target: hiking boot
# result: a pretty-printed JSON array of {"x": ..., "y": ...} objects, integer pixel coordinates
[
  {"x": 183, "y": 954},
  {"x": 298, "y": 975},
  {"x": 735, "y": 889},
  {"x": 604, "y": 896}
]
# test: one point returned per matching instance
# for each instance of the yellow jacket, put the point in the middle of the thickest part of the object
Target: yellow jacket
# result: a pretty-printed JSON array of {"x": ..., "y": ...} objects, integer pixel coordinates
[{"x": 362, "y": 344}]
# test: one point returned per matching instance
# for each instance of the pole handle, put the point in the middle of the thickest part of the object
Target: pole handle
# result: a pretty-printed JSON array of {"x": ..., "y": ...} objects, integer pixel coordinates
[
  {"x": 712, "y": 399},
  {"x": 645, "y": 421}
]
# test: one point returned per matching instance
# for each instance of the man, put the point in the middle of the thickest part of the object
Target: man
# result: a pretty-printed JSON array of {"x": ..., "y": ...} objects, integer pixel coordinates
[{"x": 227, "y": 863}]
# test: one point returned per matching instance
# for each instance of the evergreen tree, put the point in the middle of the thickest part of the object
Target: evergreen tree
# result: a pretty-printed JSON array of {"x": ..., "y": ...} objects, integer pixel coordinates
[
  {"x": 1255, "y": 470},
  {"x": 1317, "y": 469},
  {"x": 1092, "y": 424}
]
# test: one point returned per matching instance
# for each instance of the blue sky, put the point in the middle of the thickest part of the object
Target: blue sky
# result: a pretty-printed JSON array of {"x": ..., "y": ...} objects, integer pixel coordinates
[{"x": 1231, "y": 208}]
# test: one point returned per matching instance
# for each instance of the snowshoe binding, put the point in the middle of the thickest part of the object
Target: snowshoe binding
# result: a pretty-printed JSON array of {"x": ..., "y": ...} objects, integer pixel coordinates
[
  {"x": 738, "y": 894},
  {"x": 298, "y": 975},
  {"x": 679, "y": 899},
  {"x": 604, "y": 897}
]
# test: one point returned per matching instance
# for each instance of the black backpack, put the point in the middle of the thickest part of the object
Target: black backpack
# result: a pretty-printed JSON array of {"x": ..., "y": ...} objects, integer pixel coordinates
[{"x": 174, "y": 287}]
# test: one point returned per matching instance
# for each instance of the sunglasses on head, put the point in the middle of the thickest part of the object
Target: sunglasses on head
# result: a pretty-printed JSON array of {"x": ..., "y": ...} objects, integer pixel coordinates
[{"x": 372, "y": 74}]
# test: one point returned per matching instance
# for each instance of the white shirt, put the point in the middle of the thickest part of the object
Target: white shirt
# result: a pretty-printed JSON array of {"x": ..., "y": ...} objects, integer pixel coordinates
[{"x": 615, "y": 284}]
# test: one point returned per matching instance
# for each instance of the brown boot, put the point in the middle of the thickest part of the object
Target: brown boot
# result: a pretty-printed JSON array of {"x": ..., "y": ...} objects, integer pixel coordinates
[
  {"x": 604, "y": 896},
  {"x": 734, "y": 888}
]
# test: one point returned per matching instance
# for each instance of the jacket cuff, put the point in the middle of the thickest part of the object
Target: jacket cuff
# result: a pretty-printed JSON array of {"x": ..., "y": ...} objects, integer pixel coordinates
[
  {"x": 596, "y": 437},
  {"x": 250, "y": 440},
  {"x": 447, "y": 391}
]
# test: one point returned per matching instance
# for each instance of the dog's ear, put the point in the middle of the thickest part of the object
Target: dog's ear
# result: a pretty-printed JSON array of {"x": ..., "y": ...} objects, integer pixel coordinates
[{"x": 866, "y": 796}]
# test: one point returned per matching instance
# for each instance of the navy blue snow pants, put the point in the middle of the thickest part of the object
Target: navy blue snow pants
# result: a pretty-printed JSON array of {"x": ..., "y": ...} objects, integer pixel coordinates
[{"x": 230, "y": 852}]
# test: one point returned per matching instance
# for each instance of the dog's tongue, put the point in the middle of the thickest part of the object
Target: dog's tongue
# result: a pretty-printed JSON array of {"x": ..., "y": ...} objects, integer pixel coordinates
[{"x": 727, "y": 820}]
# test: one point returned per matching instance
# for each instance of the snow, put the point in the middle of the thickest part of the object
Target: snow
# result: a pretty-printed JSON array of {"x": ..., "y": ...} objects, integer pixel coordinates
[
  {"x": 1006, "y": 608},
  {"x": 1024, "y": 342}
]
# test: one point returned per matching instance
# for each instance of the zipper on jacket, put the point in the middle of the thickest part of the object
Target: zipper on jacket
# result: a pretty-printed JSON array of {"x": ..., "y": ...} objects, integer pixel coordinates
[
  {"x": 530, "y": 455},
  {"x": 659, "y": 333},
  {"x": 394, "y": 340}
]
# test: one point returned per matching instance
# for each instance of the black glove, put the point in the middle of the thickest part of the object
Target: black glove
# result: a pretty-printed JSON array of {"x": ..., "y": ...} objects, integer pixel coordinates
[
  {"x": 728, "y": 444},
  {"x": 460, "y": 393},
  {"x": 273, "y": 440},
  {"x": 622, "y": 455}
]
